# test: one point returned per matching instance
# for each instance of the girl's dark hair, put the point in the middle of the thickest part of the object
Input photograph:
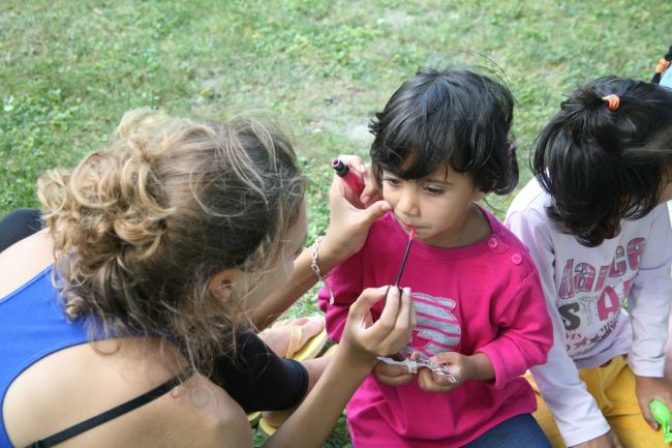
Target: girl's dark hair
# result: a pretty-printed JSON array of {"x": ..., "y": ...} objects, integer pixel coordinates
[
  {"x": 453, "y": 117},
  {"x": 601, "y": 166}
]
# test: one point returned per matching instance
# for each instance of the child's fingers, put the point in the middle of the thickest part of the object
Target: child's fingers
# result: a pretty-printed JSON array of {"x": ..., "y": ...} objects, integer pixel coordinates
[
  {"x": 445, "y": 358},
  {"x": 428, "y": 382},
  {"x": 646, "y": 413},
  {"x": 445, "y": 380},
  {"x": 614, "y": 440}
]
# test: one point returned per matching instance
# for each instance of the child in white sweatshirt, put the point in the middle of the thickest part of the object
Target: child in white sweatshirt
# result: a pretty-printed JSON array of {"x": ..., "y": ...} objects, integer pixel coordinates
[{"x": 595, "y": 222}]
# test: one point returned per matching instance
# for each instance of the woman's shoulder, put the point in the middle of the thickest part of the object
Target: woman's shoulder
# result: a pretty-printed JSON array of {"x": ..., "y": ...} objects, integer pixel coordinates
[
  {"x": 86, "y": 380},
  {"x": 22, "y": 261},
  {"x": 201, "y": 415}
]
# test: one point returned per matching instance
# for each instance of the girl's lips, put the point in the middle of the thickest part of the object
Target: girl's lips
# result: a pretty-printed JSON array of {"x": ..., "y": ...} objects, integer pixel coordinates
[
  {"x": 406, "y": 227},
  {"x": 410, "y": 228}
]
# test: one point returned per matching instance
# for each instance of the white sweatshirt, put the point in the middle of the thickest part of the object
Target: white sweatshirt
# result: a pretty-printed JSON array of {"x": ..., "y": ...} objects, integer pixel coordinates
[{"x": 585, "y": 289}]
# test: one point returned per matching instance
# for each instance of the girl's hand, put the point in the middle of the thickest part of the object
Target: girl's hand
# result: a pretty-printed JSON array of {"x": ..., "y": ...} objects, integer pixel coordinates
[
  {"x": 393, "y": 375},
  {"x": 649, "y": 389},
  {"x": 363, "y": 340},
  {"x": 458, "y": 365},
  {"x": 608, "y": 440}
]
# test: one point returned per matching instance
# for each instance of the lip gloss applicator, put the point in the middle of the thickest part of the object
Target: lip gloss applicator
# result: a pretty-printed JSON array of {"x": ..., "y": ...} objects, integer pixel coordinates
[
  {"x": 402, "y": 266},
  {"x": 342, "y": 170},
  {"x": 411, "y": 236}
]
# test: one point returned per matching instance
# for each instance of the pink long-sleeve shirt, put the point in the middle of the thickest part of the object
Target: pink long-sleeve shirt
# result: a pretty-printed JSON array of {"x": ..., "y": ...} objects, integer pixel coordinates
[{"x": 485, "y": 297}]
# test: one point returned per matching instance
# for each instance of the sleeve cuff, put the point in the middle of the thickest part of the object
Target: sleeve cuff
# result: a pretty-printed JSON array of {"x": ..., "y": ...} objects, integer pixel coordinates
[
  {"x": 502, "y": 374},
  {"x": 577, "y": 436},
  {"x": 654, "y": 368}
]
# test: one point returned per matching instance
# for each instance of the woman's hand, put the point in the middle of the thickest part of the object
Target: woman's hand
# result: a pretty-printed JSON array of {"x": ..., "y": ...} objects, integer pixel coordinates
[
  {"x": 608, "y": 440},
  {"x": 364, "y": 340},
  {"x": 649, "y": 389},
  {"x": 349, "y": 223},
  {"x": 361, "y": 343},
  {"x": 370, "y": 194}
]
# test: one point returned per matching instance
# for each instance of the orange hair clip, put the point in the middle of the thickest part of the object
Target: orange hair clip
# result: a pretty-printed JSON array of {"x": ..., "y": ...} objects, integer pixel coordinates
[
  {"x": 662, "y": 65},
  {"x": 613, "y": 101}
]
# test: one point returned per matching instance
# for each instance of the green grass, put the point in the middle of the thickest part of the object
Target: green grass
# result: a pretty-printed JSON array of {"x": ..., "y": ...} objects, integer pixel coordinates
[{"x": 68, "y": 70}]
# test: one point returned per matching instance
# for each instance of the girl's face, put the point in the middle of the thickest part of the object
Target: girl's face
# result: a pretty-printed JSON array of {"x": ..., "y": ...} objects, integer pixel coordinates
[{"x": 439, "y": 206}]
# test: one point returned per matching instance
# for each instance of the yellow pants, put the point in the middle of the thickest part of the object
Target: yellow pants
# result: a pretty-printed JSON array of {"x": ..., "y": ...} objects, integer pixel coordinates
[{"x": 613, "y": 386}]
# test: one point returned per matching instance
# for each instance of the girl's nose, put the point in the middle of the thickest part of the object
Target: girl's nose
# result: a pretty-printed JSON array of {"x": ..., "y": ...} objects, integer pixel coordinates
[{"x": 408, "y": 202}]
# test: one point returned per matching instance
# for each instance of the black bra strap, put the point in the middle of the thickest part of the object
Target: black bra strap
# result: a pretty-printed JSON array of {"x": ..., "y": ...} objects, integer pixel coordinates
[{"x": 106, "y": 416}]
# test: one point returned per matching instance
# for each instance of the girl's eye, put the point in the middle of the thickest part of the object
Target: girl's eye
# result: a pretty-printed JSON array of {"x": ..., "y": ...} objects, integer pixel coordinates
[
  {"x": 432, "y": 190},
  {"x": 391, "y": 180}
]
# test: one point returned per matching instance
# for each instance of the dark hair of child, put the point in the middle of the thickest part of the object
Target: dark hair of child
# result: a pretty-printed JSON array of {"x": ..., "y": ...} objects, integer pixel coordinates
[
  {"x": 454, "y": 117},
  {"x": 605, "y": 156}
]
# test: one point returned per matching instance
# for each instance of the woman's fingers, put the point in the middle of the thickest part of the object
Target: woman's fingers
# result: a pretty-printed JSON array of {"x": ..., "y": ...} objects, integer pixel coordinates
[
  {"x": 360, "y": 308},
  {"x": 375, "y": 211},
  {"x": 393, "y": 375},
  {"x": 354, "y": 163},
  {"x": 406, "y": 317},
  {"x": 371, "y": 193},
  {"x": 397, "y": 319},
  {"x": 342, "y": 196},
  {"x": 393, "y": 329},
  {"x": 388, "y": 318}
]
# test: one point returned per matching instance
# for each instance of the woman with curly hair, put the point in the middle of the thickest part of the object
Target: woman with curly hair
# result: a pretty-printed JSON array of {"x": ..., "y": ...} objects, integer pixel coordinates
[{"x": 159, "y": 248}]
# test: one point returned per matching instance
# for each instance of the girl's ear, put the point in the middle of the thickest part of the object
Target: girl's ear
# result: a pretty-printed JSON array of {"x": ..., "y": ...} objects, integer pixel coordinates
[
  {"x": 479, "y": 195},
  {"x": 221, "y": 284}
]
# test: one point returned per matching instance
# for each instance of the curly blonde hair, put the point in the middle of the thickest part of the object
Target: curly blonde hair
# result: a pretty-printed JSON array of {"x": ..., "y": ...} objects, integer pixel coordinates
[{"x": 141, "y": 226}]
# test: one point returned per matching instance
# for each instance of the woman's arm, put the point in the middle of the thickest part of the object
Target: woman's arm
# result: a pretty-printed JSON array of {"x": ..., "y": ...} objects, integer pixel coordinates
[
  {"x": 348, "y": 228},
  {"x": 313, "y": 421},
  {"x": 200, "y": 414}
]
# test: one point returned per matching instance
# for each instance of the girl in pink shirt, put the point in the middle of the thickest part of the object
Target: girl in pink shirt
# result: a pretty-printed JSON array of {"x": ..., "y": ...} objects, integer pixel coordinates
[{"x": 441, "y": 144}]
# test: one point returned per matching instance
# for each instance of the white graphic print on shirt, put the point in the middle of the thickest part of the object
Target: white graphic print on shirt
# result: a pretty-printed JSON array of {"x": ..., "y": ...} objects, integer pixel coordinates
[
  {"x": 591, "y": 297},
  {"x": 437, "y": 330}
]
